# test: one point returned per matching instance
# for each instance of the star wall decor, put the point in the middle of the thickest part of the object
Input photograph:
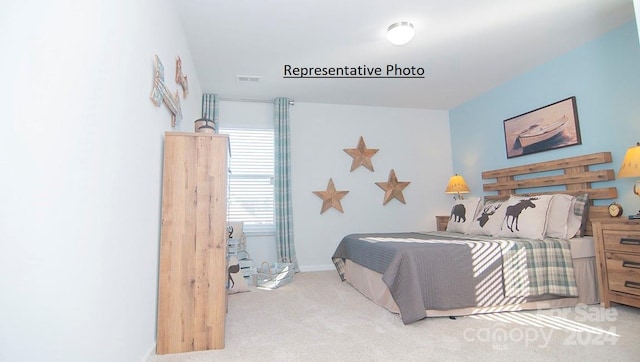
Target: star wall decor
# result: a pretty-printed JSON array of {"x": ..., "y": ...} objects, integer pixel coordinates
[
  {"x": 393, "y": 188},
  {"x": 361, "y": 155},
  {"x": 331, "y": 197}
]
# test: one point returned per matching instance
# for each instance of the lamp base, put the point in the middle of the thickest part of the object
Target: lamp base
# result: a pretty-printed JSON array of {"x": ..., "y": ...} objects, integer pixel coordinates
[{"x": 636, "y": 190}]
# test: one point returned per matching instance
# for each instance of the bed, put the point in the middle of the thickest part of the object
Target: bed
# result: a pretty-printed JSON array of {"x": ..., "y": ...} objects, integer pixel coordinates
[{"x": 526, "y": 245}]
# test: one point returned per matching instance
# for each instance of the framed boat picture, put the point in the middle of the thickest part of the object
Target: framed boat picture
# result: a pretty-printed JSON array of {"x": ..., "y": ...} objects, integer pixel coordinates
[{"x": 546, "y": 128}]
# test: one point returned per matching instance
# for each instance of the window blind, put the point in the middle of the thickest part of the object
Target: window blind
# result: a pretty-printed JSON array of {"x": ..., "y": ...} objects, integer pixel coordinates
[{"x": 250, "y": 195}]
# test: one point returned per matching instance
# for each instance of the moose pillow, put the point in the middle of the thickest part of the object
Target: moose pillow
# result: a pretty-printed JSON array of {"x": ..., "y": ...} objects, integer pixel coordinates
[
  {"x": 525, "y": 217},
  {"x": 462, "y": 214}
]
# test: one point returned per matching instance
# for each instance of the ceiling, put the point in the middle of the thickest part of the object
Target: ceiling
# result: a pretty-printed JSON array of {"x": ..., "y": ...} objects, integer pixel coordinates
[{"x": 466, "y": 47}]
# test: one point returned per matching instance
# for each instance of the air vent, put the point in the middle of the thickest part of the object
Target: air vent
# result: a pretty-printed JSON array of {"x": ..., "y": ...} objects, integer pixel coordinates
[{"x": 248, "y": 78}]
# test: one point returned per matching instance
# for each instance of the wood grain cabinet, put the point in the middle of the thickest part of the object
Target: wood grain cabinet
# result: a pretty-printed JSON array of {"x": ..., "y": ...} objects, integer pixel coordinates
[
  {"x": 617, "y": 243},
  {"x": 192, "y": 277}
]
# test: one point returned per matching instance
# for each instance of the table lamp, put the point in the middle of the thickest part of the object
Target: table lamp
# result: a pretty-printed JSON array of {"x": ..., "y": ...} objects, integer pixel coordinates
[
  {"x": 631, "y": 168},
  {"x": 458, "y": 186}
]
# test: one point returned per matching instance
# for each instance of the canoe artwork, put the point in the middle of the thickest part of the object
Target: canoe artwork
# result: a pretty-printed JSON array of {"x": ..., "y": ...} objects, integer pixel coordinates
[
  {"x": 540, "y": 132},
  {"x": 550, "y": 127}
]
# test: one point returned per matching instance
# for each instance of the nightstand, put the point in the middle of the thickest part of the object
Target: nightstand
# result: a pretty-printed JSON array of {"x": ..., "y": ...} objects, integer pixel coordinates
[
  {"x": 617, "y": 244},
  {"x": 441, "y": 222}
]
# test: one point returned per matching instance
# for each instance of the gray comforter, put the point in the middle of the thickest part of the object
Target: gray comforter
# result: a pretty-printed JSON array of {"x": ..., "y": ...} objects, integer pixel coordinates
[{"x": 443, "y": 271}]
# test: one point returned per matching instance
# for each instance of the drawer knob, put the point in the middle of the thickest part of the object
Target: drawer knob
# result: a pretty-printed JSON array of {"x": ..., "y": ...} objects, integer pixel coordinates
[
  {"x": 629, "y": 241},
  {"x": 632, "y": 285}
]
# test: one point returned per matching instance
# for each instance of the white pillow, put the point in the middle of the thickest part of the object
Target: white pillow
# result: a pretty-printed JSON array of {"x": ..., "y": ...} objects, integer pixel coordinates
[
  {"x": 525, "y": 217},
  {"x": 462, "y": 214},
  {"x": 488, "y": 219},
  {"x": 559, "y": 209}
]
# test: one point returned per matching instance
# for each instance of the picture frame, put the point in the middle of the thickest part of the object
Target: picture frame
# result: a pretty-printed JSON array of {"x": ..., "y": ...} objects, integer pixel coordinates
[{"x": 546, "y": 128}]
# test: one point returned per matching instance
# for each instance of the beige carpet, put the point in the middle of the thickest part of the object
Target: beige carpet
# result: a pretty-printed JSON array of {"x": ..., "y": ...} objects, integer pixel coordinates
[{"x": 320, "y": 318}]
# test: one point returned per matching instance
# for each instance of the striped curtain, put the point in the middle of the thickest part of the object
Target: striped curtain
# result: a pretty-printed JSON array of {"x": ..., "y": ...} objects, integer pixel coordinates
[
  {"x": 210, "y": 106},
  {"x": 282, "y": 184}
]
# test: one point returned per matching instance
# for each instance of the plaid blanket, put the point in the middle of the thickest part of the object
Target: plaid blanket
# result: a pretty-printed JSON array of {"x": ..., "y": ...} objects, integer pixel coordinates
[{"x": 533, "y": 267}]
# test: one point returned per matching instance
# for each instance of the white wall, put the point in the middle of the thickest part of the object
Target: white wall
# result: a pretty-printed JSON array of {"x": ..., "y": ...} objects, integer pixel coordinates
[
  {"x": 80, "y": 182},
  {"x": 80, "y": 175},
  {"x": 636, "y": 9},
  {"x": 415, "y": 143}
]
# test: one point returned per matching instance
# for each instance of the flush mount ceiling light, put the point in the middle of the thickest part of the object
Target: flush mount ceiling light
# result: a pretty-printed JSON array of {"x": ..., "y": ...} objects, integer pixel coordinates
[{"x": 400, "y": 33}]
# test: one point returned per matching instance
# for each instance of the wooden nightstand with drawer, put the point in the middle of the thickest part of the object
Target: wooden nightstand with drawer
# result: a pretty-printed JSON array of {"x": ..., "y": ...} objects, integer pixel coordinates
[
  {"x": 441, "y": 222},
  {"x": 617, "y": 243}
]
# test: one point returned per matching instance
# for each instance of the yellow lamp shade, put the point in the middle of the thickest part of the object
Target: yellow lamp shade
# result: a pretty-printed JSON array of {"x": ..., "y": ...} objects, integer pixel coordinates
[
  {"x": 631, "y": 163},
  {"x": 631, "y": 167},
  {"x": 457, "y": 185}
]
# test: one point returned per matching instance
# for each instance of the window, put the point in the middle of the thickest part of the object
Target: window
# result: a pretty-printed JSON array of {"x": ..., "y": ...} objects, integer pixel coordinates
[{"x": 251, "y": 178}]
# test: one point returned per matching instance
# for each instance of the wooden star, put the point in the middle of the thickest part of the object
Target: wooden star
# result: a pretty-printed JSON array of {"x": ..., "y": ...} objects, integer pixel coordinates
[
  {"x": 361, "y": 155},
  {"x": 331, "y": 197},
  {"x": 393, "y": 188}
]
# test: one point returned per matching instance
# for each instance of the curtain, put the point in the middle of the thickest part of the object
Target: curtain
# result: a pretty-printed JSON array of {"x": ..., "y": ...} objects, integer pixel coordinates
[
  {"x": 210, "y": 106},
  {"x": 282, "y": 184}
]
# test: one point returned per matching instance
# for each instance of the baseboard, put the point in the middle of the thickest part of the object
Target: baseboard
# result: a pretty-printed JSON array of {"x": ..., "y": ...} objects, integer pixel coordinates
[
  {"x": 312, "y": 268},
  {"x": 151, "y": 351}
]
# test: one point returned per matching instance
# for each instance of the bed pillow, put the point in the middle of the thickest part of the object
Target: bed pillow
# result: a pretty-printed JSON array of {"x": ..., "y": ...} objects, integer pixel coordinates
[
  {"x": 462, "y": 214},
  {"x": 558, "y": 216},
  {"x": 488, "y": 219},
  {"x": 236, "y": 282},
  {"x": 577, "y": 222},
  {"x": 525, "y": 217}
]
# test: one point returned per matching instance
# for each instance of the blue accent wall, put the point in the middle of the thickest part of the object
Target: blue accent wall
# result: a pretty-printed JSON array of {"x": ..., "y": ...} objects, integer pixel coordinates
[{"x": 603, "y": 75}]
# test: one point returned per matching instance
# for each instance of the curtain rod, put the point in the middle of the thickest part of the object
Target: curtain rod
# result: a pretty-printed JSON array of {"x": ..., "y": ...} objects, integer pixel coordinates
[{"x": 291, "y": 101}]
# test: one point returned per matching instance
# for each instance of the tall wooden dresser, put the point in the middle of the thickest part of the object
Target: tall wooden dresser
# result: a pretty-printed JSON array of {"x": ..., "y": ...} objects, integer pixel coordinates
[{"x": 192, "y": 278}]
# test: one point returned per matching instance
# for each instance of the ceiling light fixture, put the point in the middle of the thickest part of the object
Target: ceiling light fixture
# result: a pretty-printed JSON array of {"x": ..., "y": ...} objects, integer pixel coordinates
[{"x": 400, "y": 33}]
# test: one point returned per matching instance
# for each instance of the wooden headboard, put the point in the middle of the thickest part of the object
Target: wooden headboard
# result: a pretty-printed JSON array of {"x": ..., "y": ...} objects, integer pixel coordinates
[{"x": 570, "y": 175}]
